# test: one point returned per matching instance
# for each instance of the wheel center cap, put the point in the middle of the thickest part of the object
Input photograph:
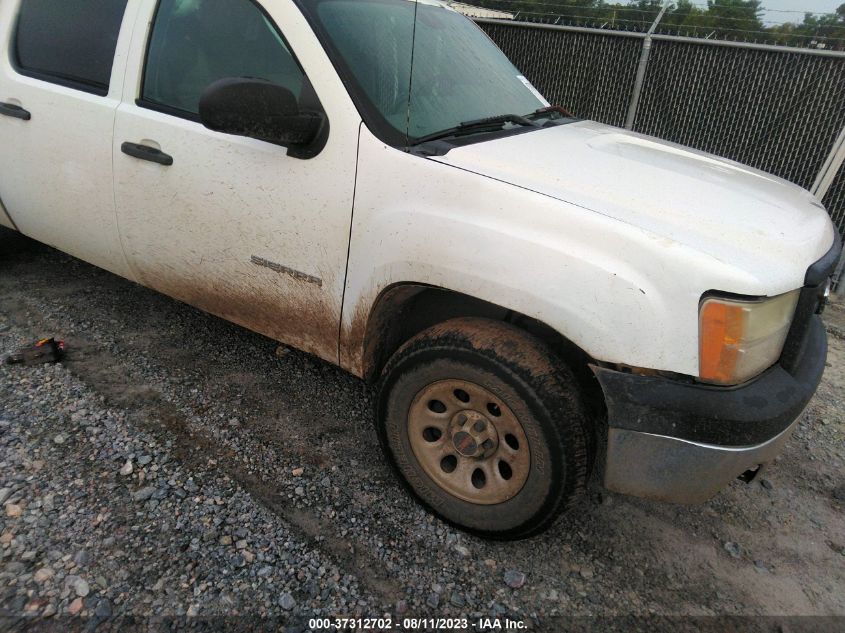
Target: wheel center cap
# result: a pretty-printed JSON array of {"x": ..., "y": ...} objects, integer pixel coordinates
[
  {"x": 465, "y": 444},
  {"x": 473, "y": 435}
]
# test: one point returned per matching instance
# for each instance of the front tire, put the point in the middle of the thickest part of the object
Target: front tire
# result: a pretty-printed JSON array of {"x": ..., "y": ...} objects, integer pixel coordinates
[{"x": 485, "y": 426}]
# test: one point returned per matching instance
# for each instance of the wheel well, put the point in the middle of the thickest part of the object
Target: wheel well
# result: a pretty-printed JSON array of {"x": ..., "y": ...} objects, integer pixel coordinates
[{"x": 405, "y": 310}]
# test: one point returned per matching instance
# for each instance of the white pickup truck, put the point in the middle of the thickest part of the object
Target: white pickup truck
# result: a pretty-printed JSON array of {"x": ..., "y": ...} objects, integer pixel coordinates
[{"x": 536, "y": 297}]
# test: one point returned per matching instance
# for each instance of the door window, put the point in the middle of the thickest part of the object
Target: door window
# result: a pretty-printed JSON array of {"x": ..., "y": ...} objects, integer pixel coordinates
[
  {"x": 69, "y": 42},
  {"x": 196, "y": 42}
]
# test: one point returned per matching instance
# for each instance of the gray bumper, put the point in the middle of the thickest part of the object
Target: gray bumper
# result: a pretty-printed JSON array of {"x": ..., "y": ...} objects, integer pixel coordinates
[
  {"x": 681, "y": 441},
  {"x": 671, "y": 469},
  {"x": 677, "y": 440}
]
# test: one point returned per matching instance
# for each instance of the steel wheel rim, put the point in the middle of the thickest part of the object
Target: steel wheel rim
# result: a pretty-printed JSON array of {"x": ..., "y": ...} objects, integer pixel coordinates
[{"x": 469, "y": 442}]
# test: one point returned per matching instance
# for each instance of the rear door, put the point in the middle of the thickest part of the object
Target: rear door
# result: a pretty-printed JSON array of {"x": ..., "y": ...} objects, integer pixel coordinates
[
  {"x": 235, "y": 226},
  {"x": 59, "y": 90}
]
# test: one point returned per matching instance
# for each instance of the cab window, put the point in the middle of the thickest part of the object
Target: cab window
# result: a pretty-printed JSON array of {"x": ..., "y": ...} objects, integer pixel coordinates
[
  {"x": 197, "y": 42},
  {"x": 69, "y": 42}
]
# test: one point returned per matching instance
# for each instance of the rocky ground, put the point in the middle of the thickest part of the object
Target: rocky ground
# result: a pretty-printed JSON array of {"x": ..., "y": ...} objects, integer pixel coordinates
[{"x": 176, "y": 465}]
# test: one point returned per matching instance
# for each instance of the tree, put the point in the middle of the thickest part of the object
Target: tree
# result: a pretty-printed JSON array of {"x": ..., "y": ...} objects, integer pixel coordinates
[{"x": 827, "y": 31}]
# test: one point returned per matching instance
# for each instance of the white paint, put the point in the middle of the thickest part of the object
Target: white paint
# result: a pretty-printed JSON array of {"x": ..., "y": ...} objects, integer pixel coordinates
[
  {"x": 192, "y": 229},
  {"x": 769, "y": 228},
  {"x": 55, "y": 170},
  {"x": 609, "y": 237},
  {"x": 625, "y": 289}
]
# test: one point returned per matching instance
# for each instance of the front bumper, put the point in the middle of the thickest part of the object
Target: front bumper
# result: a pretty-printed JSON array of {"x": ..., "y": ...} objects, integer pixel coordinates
[{"x": 683, "y": 442}]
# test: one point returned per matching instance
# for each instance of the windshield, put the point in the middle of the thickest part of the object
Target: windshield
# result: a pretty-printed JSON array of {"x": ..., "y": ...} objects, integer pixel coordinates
[{"x": 419, "y": 68}]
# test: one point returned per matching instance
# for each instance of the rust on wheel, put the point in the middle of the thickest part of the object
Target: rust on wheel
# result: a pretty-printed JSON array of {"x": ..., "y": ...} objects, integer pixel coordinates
[{"x": 469, "y": 442}]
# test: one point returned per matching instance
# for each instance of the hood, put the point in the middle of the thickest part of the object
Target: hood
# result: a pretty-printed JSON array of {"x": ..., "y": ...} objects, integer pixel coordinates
[{"x": 738, "y": 215}]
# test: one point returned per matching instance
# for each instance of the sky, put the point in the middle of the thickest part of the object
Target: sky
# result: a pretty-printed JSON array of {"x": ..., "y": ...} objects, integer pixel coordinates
[{"x": 821, "y": 6}]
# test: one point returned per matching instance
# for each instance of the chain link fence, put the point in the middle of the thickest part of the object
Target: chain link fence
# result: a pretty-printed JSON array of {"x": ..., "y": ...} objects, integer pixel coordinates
[
  {"x": 590, "y": 74},
  {"x": 834, "y": 201},
  {"x": 775, "y": 108}
]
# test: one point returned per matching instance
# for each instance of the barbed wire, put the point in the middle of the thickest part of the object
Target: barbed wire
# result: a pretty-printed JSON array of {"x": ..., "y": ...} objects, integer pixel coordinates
[
  {"x": 715, "y": 29},
  {"x": 648, "y": 21},
  {"x": 717, "y": 25},
  {"x": 650, "y": 14},
  {"x": 586, "y": 17},
  {"x": 765, "y": 9},
  {"x": 560, "y": 11},
  {"x": 765, "y": 33},
  {"x": 606, "y": 6}
]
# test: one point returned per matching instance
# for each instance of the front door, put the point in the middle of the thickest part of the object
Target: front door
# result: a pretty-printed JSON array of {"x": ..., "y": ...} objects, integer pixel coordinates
[{"x": 232, "y": 225}]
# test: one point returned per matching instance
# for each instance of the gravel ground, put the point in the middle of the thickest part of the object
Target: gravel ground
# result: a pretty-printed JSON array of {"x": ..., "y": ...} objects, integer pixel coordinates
[{"x": 176, "y": 465}]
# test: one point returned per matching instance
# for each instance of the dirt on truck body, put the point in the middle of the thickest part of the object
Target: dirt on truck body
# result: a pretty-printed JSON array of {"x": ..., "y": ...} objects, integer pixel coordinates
[{"x": 191, "y": 390}]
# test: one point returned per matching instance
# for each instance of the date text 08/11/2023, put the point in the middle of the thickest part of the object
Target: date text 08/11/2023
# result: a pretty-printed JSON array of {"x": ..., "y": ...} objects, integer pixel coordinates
[{"x": 416, "y": 624}]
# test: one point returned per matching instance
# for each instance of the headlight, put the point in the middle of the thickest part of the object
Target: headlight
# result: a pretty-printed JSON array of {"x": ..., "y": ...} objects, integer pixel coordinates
[{"x": 738, "y": 339}]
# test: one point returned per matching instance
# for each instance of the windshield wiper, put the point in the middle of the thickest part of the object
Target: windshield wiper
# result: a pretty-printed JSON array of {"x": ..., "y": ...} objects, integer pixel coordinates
[
  {"x": 477, "y": 126},
  {"x": 550, "y": 112}
]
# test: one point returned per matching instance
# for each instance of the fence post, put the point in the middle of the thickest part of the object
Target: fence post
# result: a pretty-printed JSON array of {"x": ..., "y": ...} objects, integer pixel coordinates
[
  {"x": 830, "y": 167},
  {"x": 833, "y": 163},
  {"x": 641, "y": 68}
]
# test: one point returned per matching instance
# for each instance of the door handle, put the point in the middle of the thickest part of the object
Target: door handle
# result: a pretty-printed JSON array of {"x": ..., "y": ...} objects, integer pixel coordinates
[
  {"x": 145, "y": 152},
  {"x": 14, "y": 111}
]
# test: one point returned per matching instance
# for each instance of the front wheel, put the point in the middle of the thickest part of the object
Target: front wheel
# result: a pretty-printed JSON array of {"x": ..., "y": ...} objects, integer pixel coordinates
[{"x": 485, "y": 426}]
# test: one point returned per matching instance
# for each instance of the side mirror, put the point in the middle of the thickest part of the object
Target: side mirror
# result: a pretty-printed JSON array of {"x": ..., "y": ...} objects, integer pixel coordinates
[{"x": 262, "y": 110}]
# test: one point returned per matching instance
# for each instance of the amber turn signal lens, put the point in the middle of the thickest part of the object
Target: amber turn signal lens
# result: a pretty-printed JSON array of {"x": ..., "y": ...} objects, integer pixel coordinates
[
  {"x": 722, "y": 328},
  {"x": 738, "y": 339}
]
